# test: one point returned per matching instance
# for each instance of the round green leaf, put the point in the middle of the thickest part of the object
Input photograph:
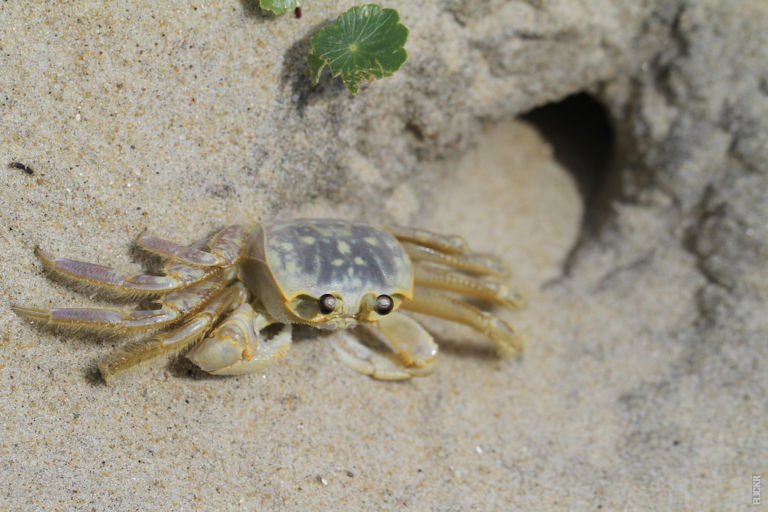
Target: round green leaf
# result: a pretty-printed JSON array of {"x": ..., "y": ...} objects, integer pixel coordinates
[
  {"x": 365, "y": 43},
  {"x": 280, "y": 6}
]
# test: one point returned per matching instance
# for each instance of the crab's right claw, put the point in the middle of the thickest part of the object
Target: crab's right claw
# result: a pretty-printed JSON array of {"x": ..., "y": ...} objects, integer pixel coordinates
[{"x": 237, "y": 345}]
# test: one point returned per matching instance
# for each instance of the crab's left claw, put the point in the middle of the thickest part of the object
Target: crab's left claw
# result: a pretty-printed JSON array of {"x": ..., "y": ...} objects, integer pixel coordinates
[{"x": 416, "y": 351}]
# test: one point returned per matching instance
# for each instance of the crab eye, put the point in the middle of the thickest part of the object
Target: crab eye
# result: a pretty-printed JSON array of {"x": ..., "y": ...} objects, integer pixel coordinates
[
  {"x": 384, "y": 304},
  {"x": 327, "y": 304}
]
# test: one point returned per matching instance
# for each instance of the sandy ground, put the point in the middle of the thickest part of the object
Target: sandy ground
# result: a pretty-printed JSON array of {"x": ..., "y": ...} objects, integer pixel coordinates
[{"x": 171, "y": 435}]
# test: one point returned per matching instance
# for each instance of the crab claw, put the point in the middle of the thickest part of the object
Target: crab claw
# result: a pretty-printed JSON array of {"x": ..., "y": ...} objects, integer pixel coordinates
[
  {"x": 237, "y": 346},
  {"x": 416, "y": 351}
]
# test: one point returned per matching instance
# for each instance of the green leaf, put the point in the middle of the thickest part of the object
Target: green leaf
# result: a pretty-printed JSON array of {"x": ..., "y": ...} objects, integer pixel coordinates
[
  {"x": 280, "y": 6},
  {"x": 316, "y": 64},
  {"x": 365, "y": 43}
]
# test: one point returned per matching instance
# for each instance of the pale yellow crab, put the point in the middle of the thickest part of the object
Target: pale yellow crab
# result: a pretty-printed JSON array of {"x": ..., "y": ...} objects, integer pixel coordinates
[{"x": 326, "y": 273}]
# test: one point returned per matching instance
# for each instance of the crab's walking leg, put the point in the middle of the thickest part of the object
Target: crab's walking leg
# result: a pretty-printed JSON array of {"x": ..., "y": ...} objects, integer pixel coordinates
[
  {"x": 99, "y": 277},
  {"x": 176, "y": 305},
  {"x": 468, "y": 262},
  {"x": 98, "y": 319},
  {"x": 437, "y": 304},
  {"x": 416, "y": 351},
  {"x": 188, "y": 265},
  {"x": 187, "y": 274},
  {"x": 464, "y": 284},
  {"x": 237, "y": 346},
  {"x": 189, "y": 300},
  {"x": 172, "y": 342},
  {"x": 450, "y": 244},
  {"x": 225, "y": 248}
]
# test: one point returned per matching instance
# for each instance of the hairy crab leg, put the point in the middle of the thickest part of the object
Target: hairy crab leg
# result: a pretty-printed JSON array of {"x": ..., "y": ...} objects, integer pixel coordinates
[
  {"x": 450, "y": 244},
  {"x": 177, "y": 252},
  {"x": 100, "y": 320},
  {"x": 416, "y": 351},
  {"x": 187, "y": 274},
  {"x": 172, "y": 342},
  {"x": 176, "y": 306},
  {"x": 468, "y": 262},
  {"x": 191, "y": 299},
  {"x": 430, "y": 302},
  {"x": 443, "y": 279},
  {"x": 227, "y": 244},
  {"x": 237, "y": 347},
  {"x": 93, "y": 277},
  {"x": 225, "y": 248}
]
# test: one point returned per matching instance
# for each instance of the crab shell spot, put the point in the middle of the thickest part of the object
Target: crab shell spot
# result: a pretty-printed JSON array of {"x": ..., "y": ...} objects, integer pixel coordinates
[
  {"x": 338, "y": 262},
  {"x": 309, "y": 240},
  {"x": 359, "y": 261},
  {"x": 371, "y": 240},
  {"x": 344, "y": 247}
]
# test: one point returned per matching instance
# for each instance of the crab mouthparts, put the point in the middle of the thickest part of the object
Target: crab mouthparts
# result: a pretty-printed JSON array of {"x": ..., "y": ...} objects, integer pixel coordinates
[{"x": 339, "y": 323}]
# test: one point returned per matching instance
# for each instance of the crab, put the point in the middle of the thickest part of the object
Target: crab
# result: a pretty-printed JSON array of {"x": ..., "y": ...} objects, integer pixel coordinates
[{"x": 326, "y": 273}]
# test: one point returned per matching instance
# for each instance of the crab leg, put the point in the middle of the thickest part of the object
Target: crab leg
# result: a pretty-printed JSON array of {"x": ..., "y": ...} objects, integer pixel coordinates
[
  {"x": 187, "y": 274},
  {"x": 437, "y": 304},
  {"x": 188, "y": 300},
  {"x": 99, "y": 319},
  {"x": 468, "y": 262},
  {"x": 225, "y": 248},
  {"x": 177, "y": 252},
  {"x": 457, "y": 282},
  {"x": 176, "y": 305},
  {"x": 172, "y": 342},
  {"x": 416, "y": 351},
  {"x": 228, "y": 243},
  {"x": 450, "y": 244},
  {"x": 99, "y": 277},
  {"x": 237, "y": 347}
]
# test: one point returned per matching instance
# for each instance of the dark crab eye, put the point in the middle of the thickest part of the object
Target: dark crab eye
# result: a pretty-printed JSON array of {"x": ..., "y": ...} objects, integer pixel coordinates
[
  {"x": 327, "y": 304},
  {"x": 384, "y": 304}
]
